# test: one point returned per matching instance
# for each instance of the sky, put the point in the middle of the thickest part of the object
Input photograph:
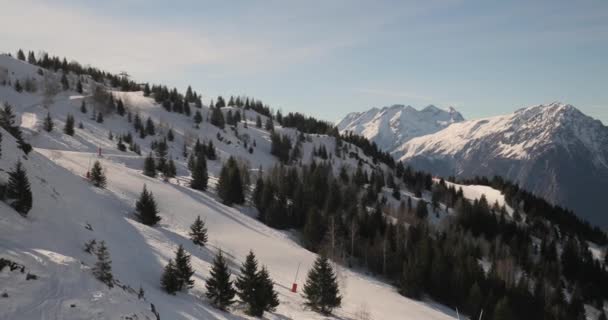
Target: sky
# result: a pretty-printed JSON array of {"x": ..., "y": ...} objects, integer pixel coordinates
[{"x": 327, "y": 58}]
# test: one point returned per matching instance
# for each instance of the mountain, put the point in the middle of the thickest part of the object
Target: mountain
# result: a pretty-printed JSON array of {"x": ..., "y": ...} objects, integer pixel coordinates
[
  {"x": 552, "y": 150},
  {"x": 391, "y": 127}
]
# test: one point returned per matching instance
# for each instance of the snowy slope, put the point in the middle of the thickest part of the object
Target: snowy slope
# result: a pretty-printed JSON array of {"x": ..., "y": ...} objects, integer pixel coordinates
[
  {"x": 552, "y": 150},
  {"x": 49, "y": 241},
  {"x": 390, "y": 127}
]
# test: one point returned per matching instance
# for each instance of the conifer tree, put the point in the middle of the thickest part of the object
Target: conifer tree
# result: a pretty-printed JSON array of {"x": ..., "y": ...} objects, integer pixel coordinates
[
  {"x": 217, "y": 118},
  {"x": 69, "y": 125},
  {"x": 65, "y": 84},
  {"x": 120, "y": 108},
  {"x": 120, "y": 145},
  {"x": 266, "y": 298},
  {"x": 199, "y": 173},
  {"x": 230, "y": 185},
  {"x": 161, "y": 156},
  {"x": 18, "y": 192},
  {"x": 183, "y": 269},
  {"x": 321, "y": 287},
  {"x": 145, "y": 208},
  {"x": 219, "y": 287},
  {"x": 150, "y": 130},
  {"x": 103, "y": 267},
  {"x": 247, "y": 282},
  {"x": 79, "y": 86},
  {"x": 169, "y": 280},
  {"x": 503, "y": 310},
  {"x": 150, "y": 166},
  {"x": 83, "y": 107},
  {"x": 147, "y": 90},
  {"x": 18, "y": 86},
  {"x": 198, "y": 117},
  {"x": 198, "y": 232},
  {"x": 48, "y": 122},
  {"x": 20, "y": 55},
  {"x": 99, "y": 118},
  {"x": 97, "y": 176},
  {"x": 170, "y": 170},
  {"x": 31, "y": 58}
]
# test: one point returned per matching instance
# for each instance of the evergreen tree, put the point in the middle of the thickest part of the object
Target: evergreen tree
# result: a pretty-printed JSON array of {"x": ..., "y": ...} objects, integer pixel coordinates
[
  {"x": 99, "y": 118},
  {"x": 169, "y": 280},
  {"x": 65, "y": 84},
  {"x": 170, "y": 170},
  {"x": 69, "y": 125},
  {"x": 145, "y": 208},
  {"x": 147, "y": 90},
  {"x": 198, "y": 117},
  {"x": 503, "y": 310},
  {"x": 31, "y": 58},
  {"x": 198, "y": 232},
  {"x": 199, "y": 173},
  {"x": 79, "y": 86},
  {"x": 18, "y": 192},
  {"x": 83, "y": 107},
  {"x": 183, "y": 269},
  {"x": 120, "y": 108},
  {"x": 161, "y": 156},
  {"x": 230, "y": 185},
  {"x": 170, "y": 135},
  {"x": 321, "y": 287},
  {"x": 217, "y": 118},
  {"x": 149, "y": 166},
  {"x": 150, "y": 130},
  {"x": 18, "y": 86},
  {"x": 247, "y": 282},
  {"x": 258, "y": 121},
  {"x": 120, "y": 145},
  {"x": 266, "y": 298},
  {"x": 20, "y": 55},
  {"x": 48, "y": 122},
  {"x": 97, "y": 176},
  {"x": 219, "y": 287},
  {"x": 103, "y": 267}
]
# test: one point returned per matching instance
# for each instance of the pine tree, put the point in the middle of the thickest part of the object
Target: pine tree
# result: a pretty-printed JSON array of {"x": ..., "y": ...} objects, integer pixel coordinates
[
  {"x": 150, "y": 129},
  {"x": 321, "y": 287},
  {"x": 170, "y": 170},
  {"x": 18, "y": 86},
  {"x": 18, "y": 192},
  {"x": 48, "y": 122},
  {"x": 266, "y": 298},
  {"x": 31, "y": 58},
  {"x": 145, "y": 208},
  {"x": 79, "y": 86},
  {"x": 147, "y": 90},
  {"x": 217, "y": 118},
  {"x": 99, "y": 118},
  {"x": 198, "y": 232},
  {"x": 247, "y": 282},
  {"x": 169, "y": 281},
  {"x": 230, "y": 185},
  {"x": 97, "y": 176},
  {"x": 69, "y": 125},
  {"x": 183, "y": 269},
  {"x": 103, "y": 267},
  {"x": 20, "y": 55},
  {"x": 150, "y": 166},
  {"x": 199, "y": 173},
  {"x": 503, "y": 310},
  {"x": 170, "y": 135},
  {"x": 65, "y": 84},
  {"x": 219, "y": 287},
  {"x": 83, "y": 107},
  {"x": 120, "y": 108},
  {"x": 198, "y": 117}
]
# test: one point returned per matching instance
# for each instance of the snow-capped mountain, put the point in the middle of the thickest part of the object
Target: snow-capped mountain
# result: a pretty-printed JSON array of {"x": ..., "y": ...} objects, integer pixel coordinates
[
  {"x": 391, "y": 127},
  {"x": 553, "y": 150}
]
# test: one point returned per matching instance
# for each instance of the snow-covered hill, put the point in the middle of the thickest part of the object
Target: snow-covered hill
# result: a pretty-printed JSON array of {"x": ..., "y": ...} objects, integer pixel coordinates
[
  {"x": 391, "y": 127},
  {"x": 49, "y": 242},
  {"x": 552, "y": 150}
]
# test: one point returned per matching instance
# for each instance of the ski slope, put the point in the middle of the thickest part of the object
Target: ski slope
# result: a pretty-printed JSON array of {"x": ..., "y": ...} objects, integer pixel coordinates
[{"x": 49, "y": 242}]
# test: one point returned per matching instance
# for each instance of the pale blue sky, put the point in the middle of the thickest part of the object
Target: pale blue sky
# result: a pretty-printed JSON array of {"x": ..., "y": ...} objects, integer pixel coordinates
[{"x": 330, "y": 57}]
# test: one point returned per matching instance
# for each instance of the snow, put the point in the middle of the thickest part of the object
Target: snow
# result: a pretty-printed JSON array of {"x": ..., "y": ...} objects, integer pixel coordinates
[
  {"x": 390, "y": 127},
  {"x": 49, "y": 242},
  {"x": 474, "y": 192}
]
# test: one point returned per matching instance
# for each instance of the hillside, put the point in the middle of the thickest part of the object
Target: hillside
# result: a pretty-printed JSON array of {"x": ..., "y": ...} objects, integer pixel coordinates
[
  {"x": 49, "y": 241},
  {"x": 404, "y": 245}
]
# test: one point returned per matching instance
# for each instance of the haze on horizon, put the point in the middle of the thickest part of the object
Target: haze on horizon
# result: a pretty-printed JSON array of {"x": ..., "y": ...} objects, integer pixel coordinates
[{"x": 329, "y": 58}]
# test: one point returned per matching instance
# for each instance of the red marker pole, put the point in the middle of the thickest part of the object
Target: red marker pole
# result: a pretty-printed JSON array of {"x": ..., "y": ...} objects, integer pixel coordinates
[{"x": 294, "y": 286}]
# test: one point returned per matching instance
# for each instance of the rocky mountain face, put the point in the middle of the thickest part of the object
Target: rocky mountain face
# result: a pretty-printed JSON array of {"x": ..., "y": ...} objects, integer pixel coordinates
[
  {"x": 391, "y": 127},
  {"x": 553, "y": 150}
]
